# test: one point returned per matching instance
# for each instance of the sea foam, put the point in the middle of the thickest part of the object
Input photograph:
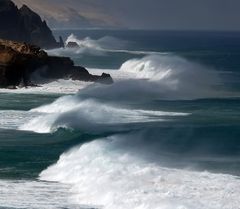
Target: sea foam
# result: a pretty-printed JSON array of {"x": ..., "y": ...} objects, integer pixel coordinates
[
  {"x": 99, "y": 47},
  {"x": 98, "y": 107},
  {"x": 34, "y": 194},
  {"x": 73, "y": 112},
  {"x": 107, "y": 173},
  {"x": 160, "y": 77}
]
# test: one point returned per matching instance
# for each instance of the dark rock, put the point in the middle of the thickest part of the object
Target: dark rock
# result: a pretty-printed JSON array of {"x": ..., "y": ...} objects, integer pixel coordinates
[
  {"x": 10, "y": 21},
  {"x": 61, "y": 42},
  {"x": 72, "y": 44},
  {"x": 57, "y": 67},
  {"x": 24, "y": 25},
  {"x": 105, "y": 78},
  {"x": 18, "y": 61},
  {"x": 80, "y": 73}
]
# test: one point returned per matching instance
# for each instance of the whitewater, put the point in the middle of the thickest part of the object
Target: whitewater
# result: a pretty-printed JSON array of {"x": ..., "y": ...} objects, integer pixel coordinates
[{"x": 164, "y": 135}]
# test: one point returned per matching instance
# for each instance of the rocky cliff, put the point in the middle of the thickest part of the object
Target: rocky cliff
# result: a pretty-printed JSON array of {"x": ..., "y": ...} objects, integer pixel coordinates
[
  {"x": 19, "y": 60},
  {"x": 24, "y": 25}
]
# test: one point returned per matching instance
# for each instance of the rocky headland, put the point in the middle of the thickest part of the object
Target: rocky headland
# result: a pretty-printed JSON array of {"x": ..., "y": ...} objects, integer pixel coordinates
[
  {"x": 24, "y": 25},
  {"x": 18, "y": 61},
  {"x": 23, "y": 34}
]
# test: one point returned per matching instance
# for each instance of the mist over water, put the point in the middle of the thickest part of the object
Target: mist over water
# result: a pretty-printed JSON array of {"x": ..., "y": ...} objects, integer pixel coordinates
[
  {"x": 149, "y": 78},
  {"x": 164, "y": 135},
  {"x": 90, "y": 46},
  {"x": 164, "y": 77},
  {"x": 109, "y": 172}
]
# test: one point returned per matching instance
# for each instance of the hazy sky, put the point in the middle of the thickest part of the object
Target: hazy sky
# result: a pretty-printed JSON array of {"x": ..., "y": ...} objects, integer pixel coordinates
[{"x": 152, "y": 14}]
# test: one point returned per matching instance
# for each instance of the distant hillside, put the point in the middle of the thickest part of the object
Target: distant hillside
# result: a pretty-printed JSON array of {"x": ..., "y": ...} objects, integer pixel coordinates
[{"x": 62, "y": 13}]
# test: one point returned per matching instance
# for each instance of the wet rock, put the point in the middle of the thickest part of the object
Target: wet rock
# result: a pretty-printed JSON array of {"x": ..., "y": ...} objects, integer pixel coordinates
[
  {"x": 72, "y": 44},
  {"x": 18, "y": 61}
]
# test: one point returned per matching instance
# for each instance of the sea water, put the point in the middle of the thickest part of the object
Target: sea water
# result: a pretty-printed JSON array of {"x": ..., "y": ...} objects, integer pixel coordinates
[{"x": 165, "y": 135}]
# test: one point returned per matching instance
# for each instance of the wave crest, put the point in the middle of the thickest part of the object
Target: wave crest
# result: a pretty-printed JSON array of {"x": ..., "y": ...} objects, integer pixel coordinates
[
  {"x": 91, "y": 116},
  {"x": 98, "y": 47},
  {"x": 160, "y": 77},
  {"x": 99, "y": 108},
  {"x": 107, "y": 175}
]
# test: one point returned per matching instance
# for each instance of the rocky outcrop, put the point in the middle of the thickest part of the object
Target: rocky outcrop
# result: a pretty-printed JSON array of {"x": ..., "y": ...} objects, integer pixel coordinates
[
  {"x": 63, "y": 67},
  {"x": 72, "y": 44},
  {"x": 24, "y": 25},
  {"x": 18, "y": 61}
]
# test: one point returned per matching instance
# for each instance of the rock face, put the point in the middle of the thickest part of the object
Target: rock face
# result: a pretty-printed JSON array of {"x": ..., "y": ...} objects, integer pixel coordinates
[
  {"x": 19, "y": 60},
  {"x": 24, "y": 25},
  {"x": 72, "y": 44}
]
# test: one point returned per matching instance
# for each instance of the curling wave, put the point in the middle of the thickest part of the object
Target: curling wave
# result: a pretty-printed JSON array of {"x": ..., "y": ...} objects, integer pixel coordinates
[
  {"x": 160, "y": 77},
  {"x": 102, "y": 108},
  {"x": 91, "y": 116},
  {"x": 106, "y": 174}
]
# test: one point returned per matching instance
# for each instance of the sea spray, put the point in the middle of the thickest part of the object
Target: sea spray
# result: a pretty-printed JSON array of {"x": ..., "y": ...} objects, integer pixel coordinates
[
  {"x": 110, "y": 176},
  {"x": 164, "y": 77},
  {"x": 90, "y": 115},
  {"x": 157, "y": 163},
  {"x": 98, "y": 107},
  {"x": 106, "y": 42},
  {"x": 99, "y": 47}
]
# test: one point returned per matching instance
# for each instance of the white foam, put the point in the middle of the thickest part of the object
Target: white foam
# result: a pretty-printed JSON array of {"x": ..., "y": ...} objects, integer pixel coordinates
[
  {"x": 12, "y": 119},
  {"x": 89, "y": 115},
  {"x": 99, "y": 47},
  {"x": 90, "y": 46},
  {"x": 152, "y": 77},
  {"x": 34, "y": 195},
  {"x": 106, "y": 174},
  {"x": 175, "y": 71},
  {"x": 61, "y": 86},
  {"x": 106, "y": 42},
  {"x": 155, "y": 76},
  {"x": 163, "y": 77}
]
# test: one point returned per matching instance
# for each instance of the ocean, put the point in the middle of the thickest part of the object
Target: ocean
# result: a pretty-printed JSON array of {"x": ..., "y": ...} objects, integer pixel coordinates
[{"x": 165, "y": 135}]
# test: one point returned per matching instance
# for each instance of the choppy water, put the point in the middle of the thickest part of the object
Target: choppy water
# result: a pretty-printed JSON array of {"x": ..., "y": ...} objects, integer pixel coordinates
[{"x": 165, "y": 135}]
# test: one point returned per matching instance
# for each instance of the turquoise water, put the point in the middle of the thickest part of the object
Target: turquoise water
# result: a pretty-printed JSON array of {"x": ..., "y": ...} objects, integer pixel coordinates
[{"x": 176, "y": 125}]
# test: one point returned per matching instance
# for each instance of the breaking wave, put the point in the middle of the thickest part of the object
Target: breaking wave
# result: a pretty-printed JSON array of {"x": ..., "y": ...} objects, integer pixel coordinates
[
  {"x": 102, "y": 108},
  {"x": 34, "y": 194},
  {"x": 126, "y": 170},
  {"x": 106, "y": 42},
  {"x": 99, "y": 47},
  {"x": 107, "y": 173},
  {"x": 160, "y": 77},
  {"x": 91, "y": 116}
]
